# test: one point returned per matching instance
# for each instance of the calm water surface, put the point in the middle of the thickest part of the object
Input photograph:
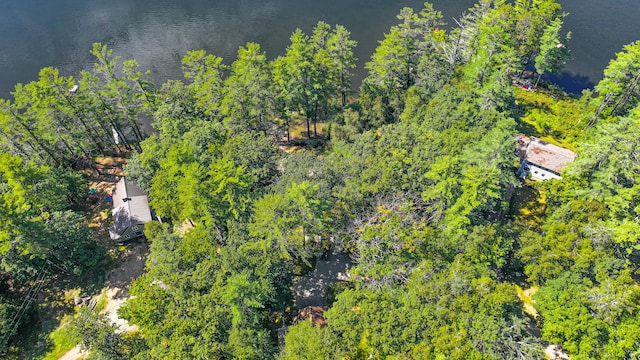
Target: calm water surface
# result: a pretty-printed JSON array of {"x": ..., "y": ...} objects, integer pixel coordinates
[{"x": 39, "y": 33}]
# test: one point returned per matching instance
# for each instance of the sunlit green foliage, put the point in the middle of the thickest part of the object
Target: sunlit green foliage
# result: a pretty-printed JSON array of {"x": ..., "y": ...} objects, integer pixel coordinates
[
  {"x": 415, "y": 179},
  {"x": 618, "y": 90}
]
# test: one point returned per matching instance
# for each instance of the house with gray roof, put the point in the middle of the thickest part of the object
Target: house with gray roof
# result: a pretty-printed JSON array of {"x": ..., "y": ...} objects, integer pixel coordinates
[
  {"x": 542, "y": 160},
  {"x": 130, "y": 211}
]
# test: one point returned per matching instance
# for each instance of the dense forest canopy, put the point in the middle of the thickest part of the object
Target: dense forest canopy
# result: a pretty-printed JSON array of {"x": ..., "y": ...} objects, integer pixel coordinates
[{"x": 414, "y": 177}]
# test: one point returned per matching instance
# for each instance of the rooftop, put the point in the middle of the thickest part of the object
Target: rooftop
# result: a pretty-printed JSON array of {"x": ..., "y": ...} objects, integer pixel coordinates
[
  {"x": 130, "y": 207},
  {"x": 547, "y": 155},
  {"x": 126, "y": 189}
]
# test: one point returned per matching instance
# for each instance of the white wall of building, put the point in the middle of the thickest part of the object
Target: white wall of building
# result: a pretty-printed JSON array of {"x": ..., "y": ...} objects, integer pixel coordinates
[{"x": 537, "y": 173}]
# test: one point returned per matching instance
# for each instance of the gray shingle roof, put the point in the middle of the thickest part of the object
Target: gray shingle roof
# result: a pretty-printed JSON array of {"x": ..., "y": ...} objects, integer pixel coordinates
[{"x": 130, "y": 207}]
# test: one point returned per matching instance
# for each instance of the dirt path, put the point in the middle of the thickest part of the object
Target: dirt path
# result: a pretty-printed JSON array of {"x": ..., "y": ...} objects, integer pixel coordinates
[
  {"x": 74, "y": 354},
  {"x": 118, "y": 280},
  {"x": 311, "y": 289}
]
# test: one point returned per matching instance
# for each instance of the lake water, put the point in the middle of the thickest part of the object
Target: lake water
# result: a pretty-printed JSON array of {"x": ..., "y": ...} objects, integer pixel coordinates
[{"x": 39, "y": 33}]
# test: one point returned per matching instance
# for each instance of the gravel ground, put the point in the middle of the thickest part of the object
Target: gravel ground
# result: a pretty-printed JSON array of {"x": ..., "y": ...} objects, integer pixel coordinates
[{"x": 311, "y": 289}]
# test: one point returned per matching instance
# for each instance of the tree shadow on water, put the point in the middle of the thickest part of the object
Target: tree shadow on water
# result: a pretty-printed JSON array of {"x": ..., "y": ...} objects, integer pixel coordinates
[{"x": 570, "y": 82}]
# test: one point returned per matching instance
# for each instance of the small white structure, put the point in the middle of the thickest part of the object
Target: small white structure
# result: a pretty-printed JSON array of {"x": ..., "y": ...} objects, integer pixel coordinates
[
  {"x": 130, "y": 211},
  {"x": 542, "y": 160},
  {"x": 116, "y": 137}
]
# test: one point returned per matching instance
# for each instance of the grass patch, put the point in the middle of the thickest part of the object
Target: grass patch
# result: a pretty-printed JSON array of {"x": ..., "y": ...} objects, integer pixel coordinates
[
  {"x": 46, "y": 335},
  {"x": 526, "y": 296},
  {"x": 553, "y": 117},
  {"x": 299, "y": 129},
  {"x": 62, "y": 339},
  {"x": 102, "y": 300},
  {"x": 528, "y": 205}
]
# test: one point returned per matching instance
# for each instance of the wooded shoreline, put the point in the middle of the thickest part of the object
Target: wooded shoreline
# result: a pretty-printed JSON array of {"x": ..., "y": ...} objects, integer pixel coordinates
[{"x": 415, "y": 178}]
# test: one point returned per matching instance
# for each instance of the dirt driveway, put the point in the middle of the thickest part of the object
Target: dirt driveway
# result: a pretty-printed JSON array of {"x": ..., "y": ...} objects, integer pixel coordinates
[{"x": 128, "y": 267}]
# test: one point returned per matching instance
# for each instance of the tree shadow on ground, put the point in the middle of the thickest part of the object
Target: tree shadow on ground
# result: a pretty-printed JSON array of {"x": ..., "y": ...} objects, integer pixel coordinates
[
  {"x": 524, "y": 127},
  {"x": 311, "y": 289}
]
